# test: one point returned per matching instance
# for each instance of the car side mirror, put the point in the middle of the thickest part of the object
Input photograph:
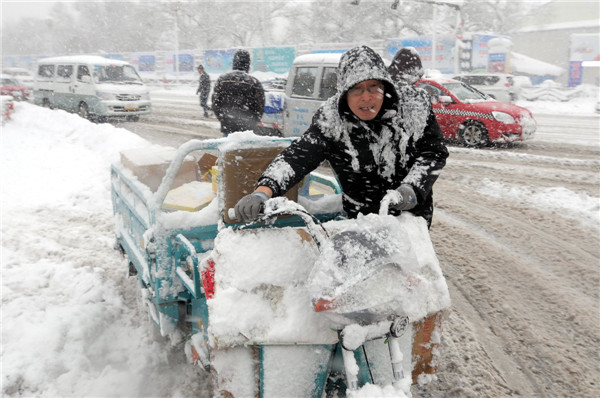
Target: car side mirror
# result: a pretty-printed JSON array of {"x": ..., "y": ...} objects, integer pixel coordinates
[{"x": 445, "y": 99}]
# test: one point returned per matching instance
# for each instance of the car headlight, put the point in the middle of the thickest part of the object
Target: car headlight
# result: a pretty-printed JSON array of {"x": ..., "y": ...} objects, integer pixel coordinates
[
  {"x": 503, "y": 117},
  {"x": 105, "y": 96}
]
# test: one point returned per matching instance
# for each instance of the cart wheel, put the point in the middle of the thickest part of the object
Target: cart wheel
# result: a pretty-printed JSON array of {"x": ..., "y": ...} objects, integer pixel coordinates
[
  {"x": 84, "y": 111},
  {"x": 132, "y": 269}
]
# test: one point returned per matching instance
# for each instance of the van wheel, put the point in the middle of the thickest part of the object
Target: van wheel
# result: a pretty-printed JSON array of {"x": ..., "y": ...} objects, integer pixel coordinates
[
  {"x": 46, "y": 103},
  {"x": 133, "y": 118},
  {"x": 473, "y": 134},
  {"x": 84, "y": 111}
]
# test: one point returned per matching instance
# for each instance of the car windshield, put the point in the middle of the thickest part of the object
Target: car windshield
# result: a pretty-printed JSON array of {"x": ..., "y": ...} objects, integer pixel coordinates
[
  {"x": 120, "y": 74},
  {"x": 9, "y": 82},
  {"x": 465, "y": 93}
]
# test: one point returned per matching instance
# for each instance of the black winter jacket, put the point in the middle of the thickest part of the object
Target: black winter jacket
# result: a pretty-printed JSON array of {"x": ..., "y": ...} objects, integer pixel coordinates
[
  {"x": 238, "y": 99},
  {"x": 368, "y": 157},
  {"x": 203, "y": 85}
]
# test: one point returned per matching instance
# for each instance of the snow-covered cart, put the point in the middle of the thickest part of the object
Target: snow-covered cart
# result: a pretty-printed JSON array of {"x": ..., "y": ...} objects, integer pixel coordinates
[{"x": 266, "y": 308}]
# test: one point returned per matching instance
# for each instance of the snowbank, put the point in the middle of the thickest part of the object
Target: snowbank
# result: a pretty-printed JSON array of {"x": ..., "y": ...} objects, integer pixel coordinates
[{"x": 71, "y": 325}]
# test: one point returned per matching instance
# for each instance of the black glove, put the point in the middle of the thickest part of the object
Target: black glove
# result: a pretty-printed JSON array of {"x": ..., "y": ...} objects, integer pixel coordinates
[
  {"x": 408, "y": 198},
  {"x": 248, "y": 208}
]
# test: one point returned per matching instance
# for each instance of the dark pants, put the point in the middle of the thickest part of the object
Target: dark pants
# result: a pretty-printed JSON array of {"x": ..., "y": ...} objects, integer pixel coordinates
[{"x": 204, "y": 104}]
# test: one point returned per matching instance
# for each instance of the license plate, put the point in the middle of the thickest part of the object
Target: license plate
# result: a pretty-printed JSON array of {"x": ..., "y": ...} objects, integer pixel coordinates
[{"x": 132, "y": 109}]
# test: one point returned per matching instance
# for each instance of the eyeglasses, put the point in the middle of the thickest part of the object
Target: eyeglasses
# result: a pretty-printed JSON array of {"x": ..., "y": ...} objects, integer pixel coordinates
[{"x": 373, "y": 89}]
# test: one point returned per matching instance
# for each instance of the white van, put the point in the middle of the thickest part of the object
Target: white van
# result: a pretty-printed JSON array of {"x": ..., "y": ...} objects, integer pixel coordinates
[
  {"x": 311, "y": 80},
  {"x": 95, "y": 87}
]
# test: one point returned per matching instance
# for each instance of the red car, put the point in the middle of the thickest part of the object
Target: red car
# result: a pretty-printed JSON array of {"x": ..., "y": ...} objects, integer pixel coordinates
[
  {"x": 9, "y": 86},
  {"x": 474, "y": 119}
]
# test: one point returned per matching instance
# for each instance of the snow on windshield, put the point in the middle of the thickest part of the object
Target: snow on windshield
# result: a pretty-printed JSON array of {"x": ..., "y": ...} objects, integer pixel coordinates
[
  {"x": 465, "y": 93},
  {"x": 116, "y": 74}
]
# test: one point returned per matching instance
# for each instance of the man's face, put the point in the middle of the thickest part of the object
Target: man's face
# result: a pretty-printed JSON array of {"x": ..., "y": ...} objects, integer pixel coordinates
[{"x": 365, "y": 99}]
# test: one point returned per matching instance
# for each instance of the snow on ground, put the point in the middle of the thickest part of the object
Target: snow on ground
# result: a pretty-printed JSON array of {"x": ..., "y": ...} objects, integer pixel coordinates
[
  {"x": 71, "y": 325},
  {"x": 70, "y": 320}
]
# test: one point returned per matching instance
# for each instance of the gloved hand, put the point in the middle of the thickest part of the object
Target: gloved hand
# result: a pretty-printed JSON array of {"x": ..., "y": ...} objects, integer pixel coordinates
[
  {"x": 248, "y": 207},
  {"x": 408, "y": 198}
]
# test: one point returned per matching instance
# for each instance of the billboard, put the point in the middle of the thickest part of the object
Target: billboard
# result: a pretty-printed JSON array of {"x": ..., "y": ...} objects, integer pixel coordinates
[
  {"x": 185, "y": 64},
  {"x": 144, "y": 62},
  {"x": 479, "y": 58},
  {"x": 444, "y": 60},
  {"x": 273, "y": 59},
  {"x": 585, "y": 47},
  {"x": 218, "y": 61}
]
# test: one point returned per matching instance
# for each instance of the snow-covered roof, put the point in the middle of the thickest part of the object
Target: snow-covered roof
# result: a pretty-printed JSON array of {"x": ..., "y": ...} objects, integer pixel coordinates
[
  {"x": 333, "y": 58},
  {"x": 522, "y": 64},
  {"x": 83, "y": 59}
]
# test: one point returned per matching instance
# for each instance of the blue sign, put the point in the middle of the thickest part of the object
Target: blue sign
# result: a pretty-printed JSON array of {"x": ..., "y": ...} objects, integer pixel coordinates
[
  {"x": 497, "y": 57},
  {"x": 575, "y": 73},
  {"x": 273, "y": 59},
  {"x": 185, "y": 64},
  {"x": 144, "y": 62},
  {"x": 218, "y": 61},
  {"x": 444, "y": 61},
  {"x": 115, "y": 56}
]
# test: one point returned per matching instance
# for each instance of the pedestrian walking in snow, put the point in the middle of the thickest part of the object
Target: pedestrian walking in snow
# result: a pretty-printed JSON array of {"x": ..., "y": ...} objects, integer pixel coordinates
[
  {"x": 203, "y": 89},
  {"x": 361, "y": 132},
  {"x": 238, "y": 99}
]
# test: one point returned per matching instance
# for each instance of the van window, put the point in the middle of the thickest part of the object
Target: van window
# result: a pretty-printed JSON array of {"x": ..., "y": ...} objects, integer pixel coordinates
[
  {"x": 116, "y": 74},
  {"x": 328, "y": 83},
  {"x": 64, "y": 73},
  {"x": 304, "y": 83},
  {"x": 82, "y": 70},
  {"x": 46, "y": 71}
]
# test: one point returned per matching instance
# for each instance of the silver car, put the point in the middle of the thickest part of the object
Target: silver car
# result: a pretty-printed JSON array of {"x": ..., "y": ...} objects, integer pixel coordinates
[{"x": 499, "y": 86}]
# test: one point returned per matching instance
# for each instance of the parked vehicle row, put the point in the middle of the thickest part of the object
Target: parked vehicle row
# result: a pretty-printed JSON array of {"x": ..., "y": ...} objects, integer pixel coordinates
[
  {"x": 463, "y": 112},
  {"x": 499, "y": 86},
  {"x": 11, "y": 87},
  {"x": 6, "y": 107},
  {"x": 22, "y": 76}
]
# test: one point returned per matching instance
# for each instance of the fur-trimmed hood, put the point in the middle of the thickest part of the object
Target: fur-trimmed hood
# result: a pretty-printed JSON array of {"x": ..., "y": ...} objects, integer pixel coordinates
[{"x": 360, "y": 64}]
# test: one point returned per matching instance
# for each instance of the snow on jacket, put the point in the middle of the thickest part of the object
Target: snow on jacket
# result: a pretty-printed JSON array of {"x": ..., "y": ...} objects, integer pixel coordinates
[
  {"x": 238, "y": 99},
  {"x": 368, "y": 157},
  {"x": 406, "y": 69}
]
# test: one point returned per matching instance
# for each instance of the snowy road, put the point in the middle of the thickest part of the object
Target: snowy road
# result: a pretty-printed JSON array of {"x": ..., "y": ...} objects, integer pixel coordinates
[
  {"x": 516, "y": 230},
  {"x": 524, "y": 278}
]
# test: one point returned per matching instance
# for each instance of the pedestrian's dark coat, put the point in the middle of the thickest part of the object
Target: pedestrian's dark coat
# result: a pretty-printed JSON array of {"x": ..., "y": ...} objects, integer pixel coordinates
[
  {"x": 368, "y": 157},
  {"x": 238, "y": 99},
  {"x": 203, "y": 85},
  {"x": 415, "y": 105}
]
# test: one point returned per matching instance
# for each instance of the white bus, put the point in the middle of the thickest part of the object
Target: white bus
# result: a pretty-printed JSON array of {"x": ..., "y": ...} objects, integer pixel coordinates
[{"x": 94, "y": 87}]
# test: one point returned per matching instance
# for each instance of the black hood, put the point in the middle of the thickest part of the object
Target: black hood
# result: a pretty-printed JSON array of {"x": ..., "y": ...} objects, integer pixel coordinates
[
  {"x": 406, "y": 66},
  {"x": 241, "y": 61},
  {"x": 360, "y": 64}
]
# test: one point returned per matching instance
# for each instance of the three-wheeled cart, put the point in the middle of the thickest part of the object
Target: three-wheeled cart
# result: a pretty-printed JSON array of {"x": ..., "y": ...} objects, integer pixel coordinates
[{"x": 239, "y": 293}]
